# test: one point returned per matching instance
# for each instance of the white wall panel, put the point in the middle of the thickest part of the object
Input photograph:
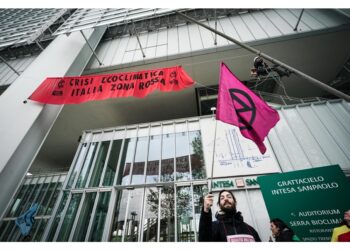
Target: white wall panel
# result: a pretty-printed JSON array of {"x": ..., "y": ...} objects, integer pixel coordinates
[
  {"x": 118, "y": 56},
  {"x": 334, "y": 127},
  {"x": 220, "y": 40},
  {"x": 143, "y": 43},
  {"x": 254, "y": 27},
  {"x": 229, "y": 28},
  {"x": 243, "y": 31},
  {"x": 207, "y": 37},
  {"x": 107, "y": 57},
  {"x": 312, "y": 135},
  {"x": 293, "y": 19},
  {"x": 291, "y": 144},
  {"x": 101, "y": 51},
  {"x": 152, "y": 39},
  {"x": 161, "y": 50},
  {"x": 313, "y": 23},
  {"x": 247, "y": 27},
  {"x": 266, "y": 24},
  {"x": 195, "y": 37},
  {"x": 184, "y": 39},
  {"x": 281, "y": 24},
  {"x": 173, "y": 41}
]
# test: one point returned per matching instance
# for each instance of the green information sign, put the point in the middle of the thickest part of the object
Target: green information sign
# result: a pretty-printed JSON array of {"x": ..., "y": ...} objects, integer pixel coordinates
[{"x": 311, "y": 201}]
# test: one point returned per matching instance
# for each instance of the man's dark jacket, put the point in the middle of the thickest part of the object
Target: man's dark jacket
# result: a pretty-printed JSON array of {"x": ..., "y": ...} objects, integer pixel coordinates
[{"x": 225, "y": 224}]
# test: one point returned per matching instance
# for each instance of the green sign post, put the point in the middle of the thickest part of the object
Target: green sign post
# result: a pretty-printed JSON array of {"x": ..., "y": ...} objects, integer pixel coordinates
[{"x": 312, "y": 202}]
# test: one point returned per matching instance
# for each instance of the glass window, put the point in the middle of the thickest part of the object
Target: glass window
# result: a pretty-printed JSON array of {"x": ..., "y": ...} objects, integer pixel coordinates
[
  {"x": 182, "y": 161},
  {"x": 28, "y": 199},
  {"x": 69, "y": 218},
  {"x": 77, "y": 166},
  {"x": 6, "y": 233},
  {"x": 185, "y": 224},
  {"x": 196, "y": 155},
  {"x": 138, "y": 168},
  {"x": 99, "y": 164},
  {"x": 84, "y": 173},
  {"x": 53, "y": 199},
  {"x": 198, "y": 194},
  {"x": 19, "y": 199},
  {"x": 40, "y": 231},
  {"x": 100, "y": 217},
  {"x": 125, "y": 165},
  {"x": 2, "y": 229},
  {"x": 57, "y": 217},
  {"x": 119, "y": 216},
  {"x": 112, "y": 163},
  {"x": 84, "y": 217},
  {"x": 167, "y": 215},
  {"x": 150, "y": 220},
  {"x": 154, "y": 151},
  {"x": 45, "y": 201},
  {"x": 168, "y": 154},
  {"x": 133, "y": 215}
]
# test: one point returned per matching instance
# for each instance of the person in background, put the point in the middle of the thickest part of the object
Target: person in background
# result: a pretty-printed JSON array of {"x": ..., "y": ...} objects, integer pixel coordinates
[
  {"x": 229, "y": 224},
  {"x": 342, "y": 232},
  {"x": 281, "y": 232}
]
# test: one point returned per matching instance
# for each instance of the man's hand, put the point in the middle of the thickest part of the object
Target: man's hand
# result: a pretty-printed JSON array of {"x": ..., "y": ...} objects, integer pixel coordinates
[{"x": 208, "y": 202}]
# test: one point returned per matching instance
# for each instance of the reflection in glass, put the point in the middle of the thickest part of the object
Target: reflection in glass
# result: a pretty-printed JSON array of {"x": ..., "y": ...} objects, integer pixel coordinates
[
  {"x": 125, "y": 165},
  {"x": 198, "y": 194},
  {"x": 152, "y": 171},
  {"x": 100, "y": 217},
  {"x": 69, "y": 218},
  {"x": 182, "y": 162},
  {"x": 53, "y": 199},
  {"x": 3, "y": 225},
  {"x": 185, "y": 225},
  {"x": 119, "y": 216},
  {"x": 77, "y": 166},
  {"x": 133, "y": 215},
  {"x": 19, "y": 199},
  {"x": 138, "y": 168},
  {"x": 100, "y": 162},
  {"x": 5, "y": 234},
  {"x": 196, "y": 154},
  {"x": 40, "y": 231},
  {"x": 57, "y": 217},
  {"x": 84, "y": 217},
  {"x": 168, "y": 154},
  {"x": 23, "y": 204},
  {"x": 150, "y": 220},
  {"x": 167, "y": 215},
  {"x": 84, "y": 173},
  {"x": 44, "y": 203},
  {"x": 112, "y": 163}
]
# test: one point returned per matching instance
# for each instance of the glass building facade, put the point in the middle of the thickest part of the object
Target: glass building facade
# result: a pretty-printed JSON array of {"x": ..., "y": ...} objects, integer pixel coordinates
[
  {"x": 43, "y": 190},
  {"x": 137, "y": 183}
]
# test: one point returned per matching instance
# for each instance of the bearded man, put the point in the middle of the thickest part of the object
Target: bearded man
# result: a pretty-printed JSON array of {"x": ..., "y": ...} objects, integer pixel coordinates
[{"x": 229, "y": 224}]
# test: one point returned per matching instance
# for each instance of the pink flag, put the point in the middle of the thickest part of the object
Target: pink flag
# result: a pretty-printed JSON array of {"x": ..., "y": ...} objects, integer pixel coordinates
[{"x": 239, "y": 106}]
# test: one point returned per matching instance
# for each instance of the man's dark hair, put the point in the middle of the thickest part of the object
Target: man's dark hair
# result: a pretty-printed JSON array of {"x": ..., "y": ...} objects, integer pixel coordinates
[
  {"x": 280, "y": 224},
  {"x": 228, "y": 191}
]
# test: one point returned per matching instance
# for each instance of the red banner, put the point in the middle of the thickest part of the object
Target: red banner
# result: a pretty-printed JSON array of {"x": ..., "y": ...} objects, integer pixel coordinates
[{"x": 73, "y": 90}]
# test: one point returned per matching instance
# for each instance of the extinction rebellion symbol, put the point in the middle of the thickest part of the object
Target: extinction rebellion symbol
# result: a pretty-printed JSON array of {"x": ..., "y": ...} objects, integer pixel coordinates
[{"x": 241, "y": 97}]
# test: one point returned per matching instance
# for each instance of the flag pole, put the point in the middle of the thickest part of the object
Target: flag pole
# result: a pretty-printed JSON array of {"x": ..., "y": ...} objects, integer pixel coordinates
[
  {"x": 214, "y": 142},
  {"x": 275, "y": 61}
]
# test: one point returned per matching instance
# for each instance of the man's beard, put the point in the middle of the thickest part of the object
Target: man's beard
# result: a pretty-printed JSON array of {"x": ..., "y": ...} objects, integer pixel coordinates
[{"x": 229, "y": 210}]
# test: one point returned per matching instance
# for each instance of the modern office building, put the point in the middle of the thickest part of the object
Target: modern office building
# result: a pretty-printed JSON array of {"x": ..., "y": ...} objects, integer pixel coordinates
[{"x": 135, "y": 169}]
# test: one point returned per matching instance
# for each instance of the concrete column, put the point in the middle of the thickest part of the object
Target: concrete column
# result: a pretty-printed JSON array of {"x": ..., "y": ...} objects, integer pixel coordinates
[{"x": 24, "y": 126}]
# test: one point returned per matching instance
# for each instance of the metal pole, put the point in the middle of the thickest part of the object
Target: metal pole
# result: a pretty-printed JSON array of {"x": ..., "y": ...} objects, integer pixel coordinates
[
  {"x": 9, "y": 65},
  {"x": 91, "y": 48},
  {"x": 213, "y": 156},
  {"x": 296, "y": 26},
  {"x": 275, "y": 61}
]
